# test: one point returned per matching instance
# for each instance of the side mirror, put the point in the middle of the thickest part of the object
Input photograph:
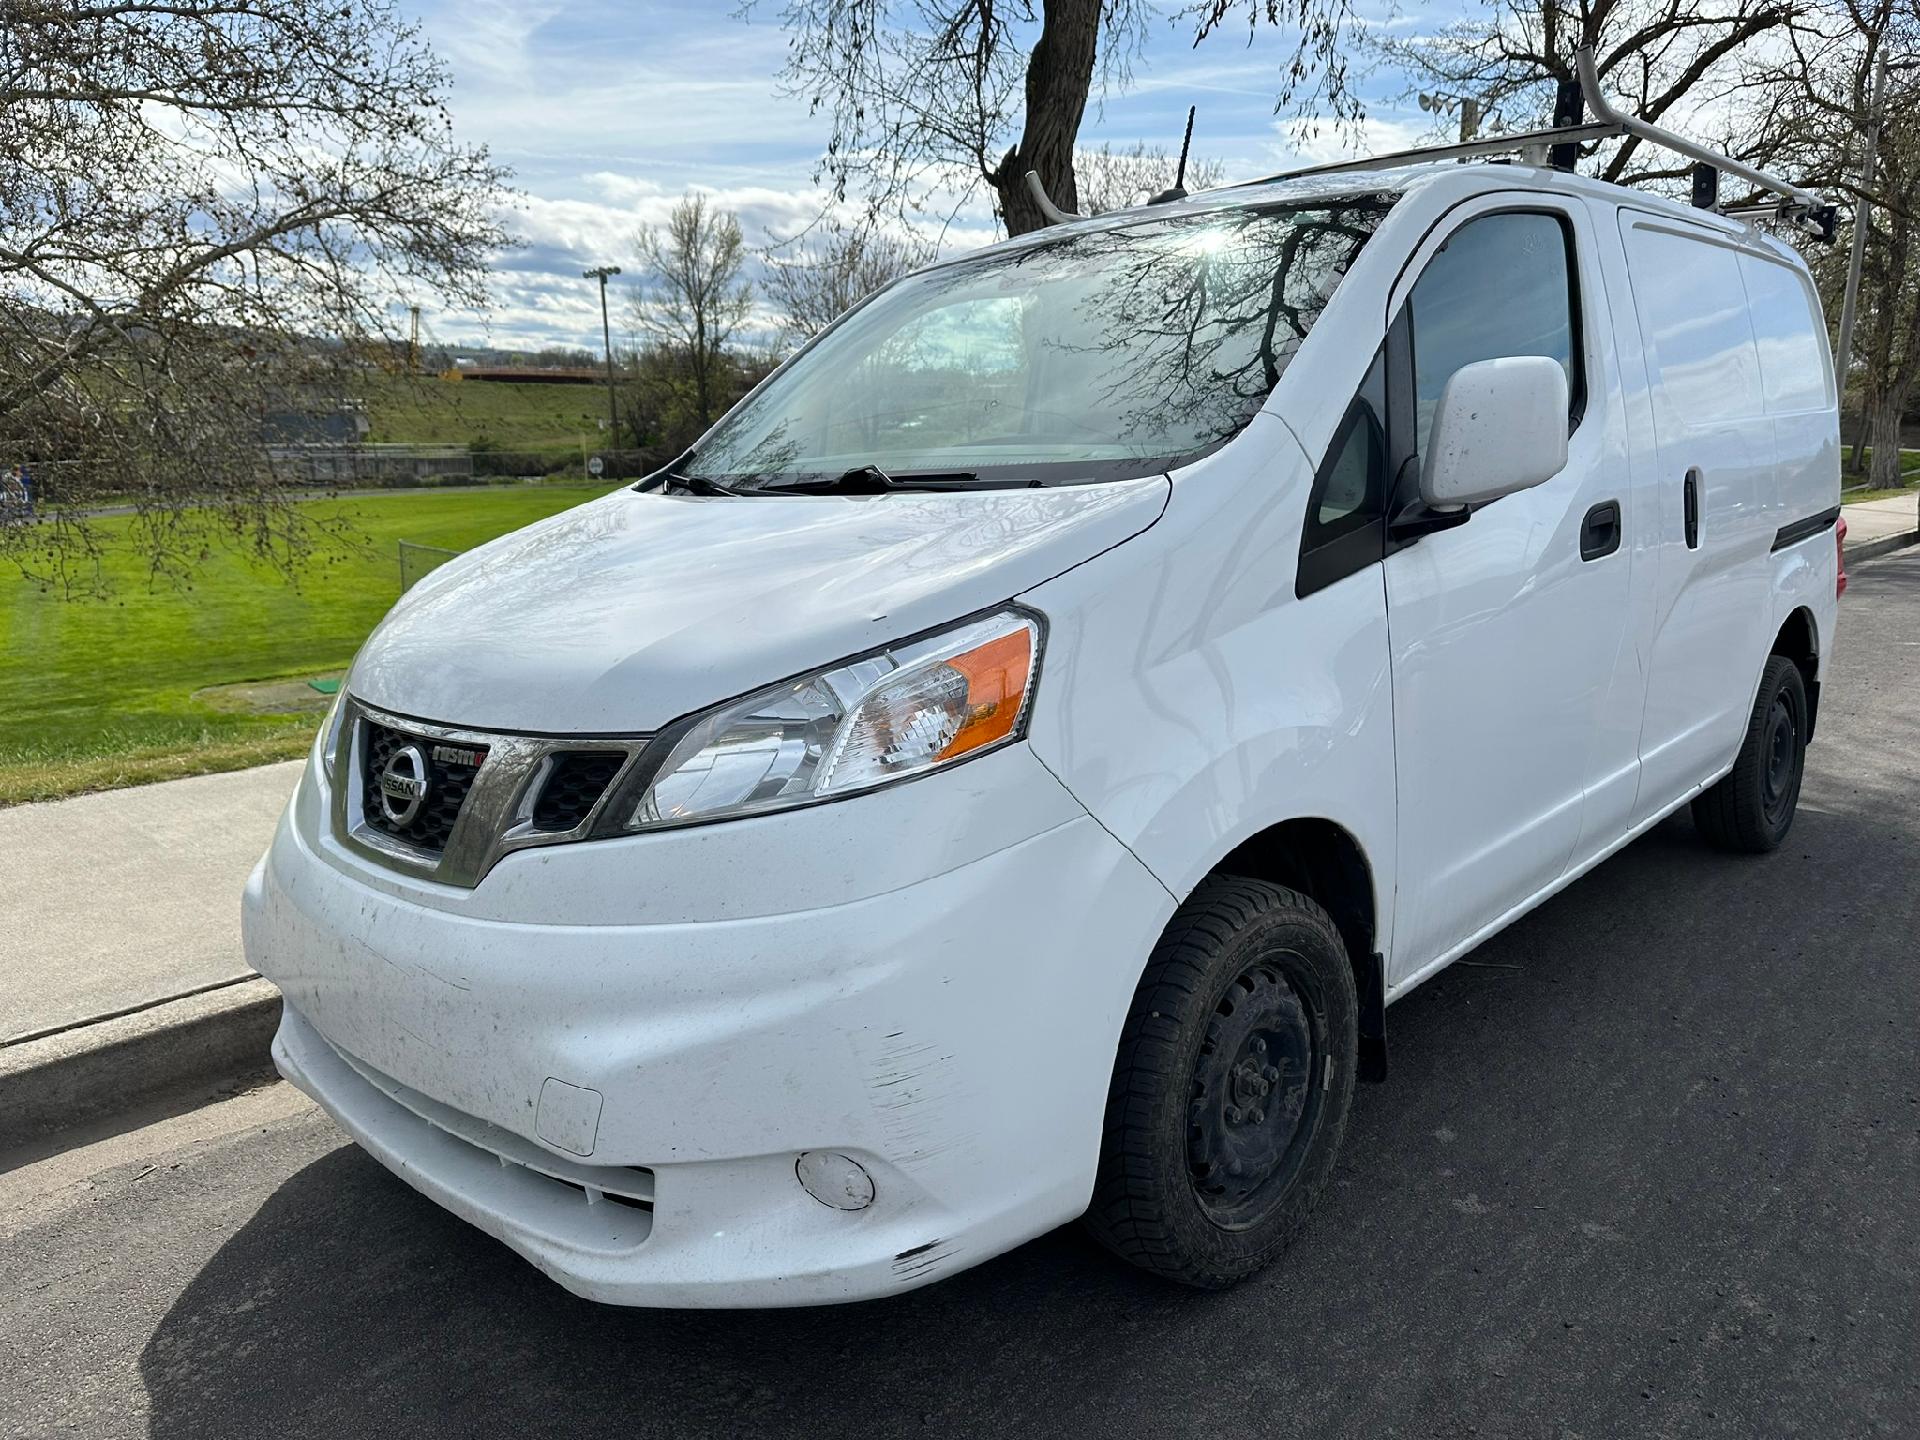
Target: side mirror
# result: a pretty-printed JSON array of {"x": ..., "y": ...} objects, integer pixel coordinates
[{"x": 1501, "y": 426}]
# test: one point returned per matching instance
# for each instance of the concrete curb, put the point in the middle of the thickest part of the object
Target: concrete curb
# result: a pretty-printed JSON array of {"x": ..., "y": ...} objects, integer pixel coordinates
[
  {"x": 1886, "y": 544},
  {"x": 89, "y": 1072}
]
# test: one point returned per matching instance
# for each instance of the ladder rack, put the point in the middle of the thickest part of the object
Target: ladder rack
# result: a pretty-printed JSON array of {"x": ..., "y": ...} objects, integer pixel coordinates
[
  {"x": 1556, "y": 145},
  {"x": 1517, "y": 142}
]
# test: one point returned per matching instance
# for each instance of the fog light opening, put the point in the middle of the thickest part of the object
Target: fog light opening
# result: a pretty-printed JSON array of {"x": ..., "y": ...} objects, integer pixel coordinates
[{"x": 836, "y": 1181}]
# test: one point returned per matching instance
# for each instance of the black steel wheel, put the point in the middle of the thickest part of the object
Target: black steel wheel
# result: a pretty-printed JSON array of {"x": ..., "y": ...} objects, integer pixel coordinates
[
  {"x": 1230, "y": 1093},
  {"x": 1751, "y": 809},
  {"x": 1255, "y": 1107}
]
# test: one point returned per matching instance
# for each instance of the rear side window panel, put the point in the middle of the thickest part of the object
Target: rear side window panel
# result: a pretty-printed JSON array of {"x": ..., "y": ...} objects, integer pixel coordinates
[
  {"x": 1695, "y": 324},
  {"x": 1793, "y": 368}
]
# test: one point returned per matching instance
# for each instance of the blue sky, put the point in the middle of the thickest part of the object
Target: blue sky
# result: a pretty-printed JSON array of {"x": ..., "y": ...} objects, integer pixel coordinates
[{"x": 608, "y": 112}]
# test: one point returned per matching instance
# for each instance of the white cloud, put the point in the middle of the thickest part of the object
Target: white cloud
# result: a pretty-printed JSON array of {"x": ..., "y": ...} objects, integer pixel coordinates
[
  {"x": 1308, "y": 142},
  {"x": 609, "y": 111}
]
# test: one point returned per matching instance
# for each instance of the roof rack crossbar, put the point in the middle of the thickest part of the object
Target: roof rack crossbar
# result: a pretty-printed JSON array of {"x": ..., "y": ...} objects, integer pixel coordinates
[
  {"x": 1037, "y": 188},
  {"x": 1819, "y": 221},
  {"x": 1461, "y": 150},
  {"x": 1679, "y": 144},
  {"x": 1797, "y": 205}
]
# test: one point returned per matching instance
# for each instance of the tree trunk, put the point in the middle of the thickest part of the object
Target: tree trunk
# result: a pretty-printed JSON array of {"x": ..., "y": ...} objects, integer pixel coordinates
[
  {"x": 1883, "y": 433},
  {"x": 1890, "y": 367},
  {"x": 1059, "y": 78}
]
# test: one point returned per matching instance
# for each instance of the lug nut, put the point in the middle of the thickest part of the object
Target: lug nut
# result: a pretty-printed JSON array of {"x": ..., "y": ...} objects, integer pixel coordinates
[
  {"x": 1258, "y": 1117},
  {"x": 1233, "y": 1114},
  {"x": 1271, "y": 1075},
  {"x": 1259, "y": 1046}
]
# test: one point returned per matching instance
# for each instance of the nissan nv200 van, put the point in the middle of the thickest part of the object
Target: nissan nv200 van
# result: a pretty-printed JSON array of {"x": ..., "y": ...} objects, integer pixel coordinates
[{"x": 1006, "y": 769}]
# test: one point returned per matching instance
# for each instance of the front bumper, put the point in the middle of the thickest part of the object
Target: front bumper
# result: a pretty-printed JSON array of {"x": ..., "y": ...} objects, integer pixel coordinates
[{"x": 623, "y": 1101}]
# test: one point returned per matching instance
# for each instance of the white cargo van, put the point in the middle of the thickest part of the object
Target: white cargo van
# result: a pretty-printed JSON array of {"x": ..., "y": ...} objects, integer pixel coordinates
[{"x": 1006, "y": 770}]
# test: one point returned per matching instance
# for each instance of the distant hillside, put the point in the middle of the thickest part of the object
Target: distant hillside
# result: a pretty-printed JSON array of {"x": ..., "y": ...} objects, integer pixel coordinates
[{"x": 486, "y": 414}]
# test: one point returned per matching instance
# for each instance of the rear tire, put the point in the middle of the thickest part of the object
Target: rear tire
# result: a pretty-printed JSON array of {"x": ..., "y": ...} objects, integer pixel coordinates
[
  {"x": 1229, "y": 1098},
  {"x": 1751, "y": 810}
]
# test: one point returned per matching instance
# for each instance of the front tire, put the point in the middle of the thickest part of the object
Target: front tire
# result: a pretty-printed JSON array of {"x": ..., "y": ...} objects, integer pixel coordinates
[
  {"x": 1751, "y": 809},
  {"x": 1229, "y": 1098}
]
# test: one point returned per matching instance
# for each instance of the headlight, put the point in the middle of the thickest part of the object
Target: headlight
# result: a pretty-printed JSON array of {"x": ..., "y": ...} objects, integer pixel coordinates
[
  {"x": 866, "y": 722},
  {"x": 330, "y": 732}
]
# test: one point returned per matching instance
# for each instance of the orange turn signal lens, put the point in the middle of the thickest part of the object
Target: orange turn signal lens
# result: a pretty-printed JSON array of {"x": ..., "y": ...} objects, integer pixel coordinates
[{"x": 996, "y": 675}]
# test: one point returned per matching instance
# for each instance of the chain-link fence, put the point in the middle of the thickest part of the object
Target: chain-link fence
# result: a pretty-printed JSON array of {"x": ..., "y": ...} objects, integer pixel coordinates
[
  {"x": 417, "y": 561},
  {"x": 614, "y": 464},
  {"x": 368, "y": 465}
]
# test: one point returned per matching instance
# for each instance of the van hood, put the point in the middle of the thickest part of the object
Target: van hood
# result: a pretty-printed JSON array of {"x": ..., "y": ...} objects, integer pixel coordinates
[{"x": 632, "y": 610}]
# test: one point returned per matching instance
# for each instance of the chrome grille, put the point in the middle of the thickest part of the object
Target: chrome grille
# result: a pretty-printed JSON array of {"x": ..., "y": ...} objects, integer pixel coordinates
[
  {"x": 448, "y": 782},
  {"x": 486, "y": 793}
]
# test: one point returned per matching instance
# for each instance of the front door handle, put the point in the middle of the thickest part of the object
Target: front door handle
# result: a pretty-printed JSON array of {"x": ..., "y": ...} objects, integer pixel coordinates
[{"x": 1600, "y": 531}]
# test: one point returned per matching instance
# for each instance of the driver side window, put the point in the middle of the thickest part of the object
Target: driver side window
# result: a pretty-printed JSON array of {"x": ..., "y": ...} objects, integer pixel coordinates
[{"x": 1501, "y": 285}]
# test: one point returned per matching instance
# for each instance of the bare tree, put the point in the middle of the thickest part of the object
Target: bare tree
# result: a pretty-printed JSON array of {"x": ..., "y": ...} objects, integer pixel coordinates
[
  {"x": 1781, "y": 83},
  {"x": 691, "y": 298},
  {"x": 813, "y": 281},
  {"x": 212, "y": 216},
  {"x": 1114, "y": 179},
  {"x": 931, "y": 100},
  {"x": 1652, "y": 55},
  {"x": 1806, "y": 111}
]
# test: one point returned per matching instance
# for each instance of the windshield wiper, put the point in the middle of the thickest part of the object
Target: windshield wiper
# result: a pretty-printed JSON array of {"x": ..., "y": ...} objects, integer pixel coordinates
[
  {"x": 872, "y": 480},
  {"x": 700, "y": 485}
]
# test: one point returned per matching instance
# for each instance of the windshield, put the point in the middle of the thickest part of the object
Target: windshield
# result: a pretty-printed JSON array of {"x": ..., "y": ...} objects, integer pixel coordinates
[{"x": 1104, "y": 354}]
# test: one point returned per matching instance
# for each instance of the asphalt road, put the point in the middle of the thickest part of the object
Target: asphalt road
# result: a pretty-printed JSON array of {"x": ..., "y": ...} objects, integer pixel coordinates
[{"x": 1647, "y": 1165}]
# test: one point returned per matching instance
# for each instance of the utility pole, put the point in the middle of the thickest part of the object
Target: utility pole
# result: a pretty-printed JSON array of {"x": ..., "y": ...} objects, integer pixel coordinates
[
  {"x": 600, "y": 273},
  {"x": 1850, "y": 301}
]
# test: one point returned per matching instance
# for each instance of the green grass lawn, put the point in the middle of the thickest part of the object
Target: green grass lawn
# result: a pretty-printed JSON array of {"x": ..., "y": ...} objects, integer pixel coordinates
[
  {"x": 1909, "y": 475},
  {"x": 1857, "y": 497},
  {"x": 95, "y": 694},
  {"x": 548, "y": 419}
]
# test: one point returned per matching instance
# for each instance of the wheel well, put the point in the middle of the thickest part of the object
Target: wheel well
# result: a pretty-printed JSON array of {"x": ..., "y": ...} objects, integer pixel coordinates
[
  {"x": 1322, "y": 861},
  {"x": 1798, "y": 641},
  {"x": 1325, "y": 863}
]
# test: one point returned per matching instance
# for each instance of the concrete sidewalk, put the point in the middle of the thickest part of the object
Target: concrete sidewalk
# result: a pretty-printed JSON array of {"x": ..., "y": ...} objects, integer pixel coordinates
[
  {"x": 115, "y": 901},
  {"x": 1880, "y": 525},
  {"x": 122, "y": 985}
]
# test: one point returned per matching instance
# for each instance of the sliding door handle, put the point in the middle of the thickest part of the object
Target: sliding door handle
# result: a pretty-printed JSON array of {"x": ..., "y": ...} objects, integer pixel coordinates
[{"x": 1690, "y": 507}]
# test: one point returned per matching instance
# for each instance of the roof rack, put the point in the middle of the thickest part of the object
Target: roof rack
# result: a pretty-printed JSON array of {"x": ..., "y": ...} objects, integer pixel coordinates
[
  {"x": 1518, "y": 142},
  {"x": 1558, "y": 145}
]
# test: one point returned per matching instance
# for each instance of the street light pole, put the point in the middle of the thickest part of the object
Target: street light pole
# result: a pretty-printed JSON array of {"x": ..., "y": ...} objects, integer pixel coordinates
[
  {"x": 1862, "y": 207},
  {"x": 600, "y": 273}
]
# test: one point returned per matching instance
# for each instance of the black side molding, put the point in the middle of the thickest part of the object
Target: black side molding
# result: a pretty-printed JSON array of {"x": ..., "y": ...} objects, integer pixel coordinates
[{"x": 1805, "y": 529}]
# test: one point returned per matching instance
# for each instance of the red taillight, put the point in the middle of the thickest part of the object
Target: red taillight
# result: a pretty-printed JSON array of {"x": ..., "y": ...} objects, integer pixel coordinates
[{"x": 1840, "y": 555}]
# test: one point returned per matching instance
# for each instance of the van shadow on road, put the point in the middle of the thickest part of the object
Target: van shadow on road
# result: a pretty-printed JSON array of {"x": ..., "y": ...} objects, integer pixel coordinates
[{"x": 1645, "y": 1164}]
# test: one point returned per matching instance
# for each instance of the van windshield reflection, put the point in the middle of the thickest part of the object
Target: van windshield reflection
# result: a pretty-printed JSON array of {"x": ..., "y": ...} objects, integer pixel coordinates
[{"x": 1102, "y": 354}]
